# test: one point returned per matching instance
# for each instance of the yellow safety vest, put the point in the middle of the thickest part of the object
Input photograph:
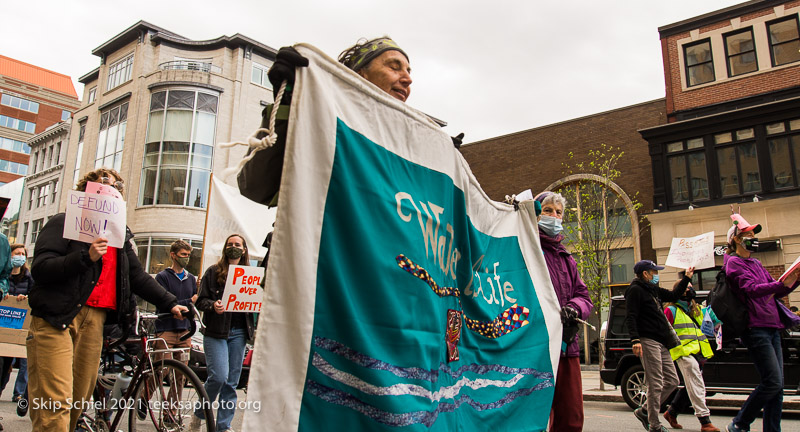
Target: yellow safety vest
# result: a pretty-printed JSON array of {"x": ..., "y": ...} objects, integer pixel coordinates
[{"x": 692, "y": 338}]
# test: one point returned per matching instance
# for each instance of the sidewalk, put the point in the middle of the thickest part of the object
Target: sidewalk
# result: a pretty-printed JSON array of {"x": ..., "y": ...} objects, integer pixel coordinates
[{"x": 591, "y": 392}]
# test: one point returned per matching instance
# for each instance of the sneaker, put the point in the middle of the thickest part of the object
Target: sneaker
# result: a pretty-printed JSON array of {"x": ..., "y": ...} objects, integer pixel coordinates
[
  {"x": 672, "y": 420},
  {"x": 733, "y": 428},
  {"x": 708, "y": 427},
  {"x": 22, "y": 406},
  {"x": 663, "y": 429},
  {"x": 642, "y": 417}
]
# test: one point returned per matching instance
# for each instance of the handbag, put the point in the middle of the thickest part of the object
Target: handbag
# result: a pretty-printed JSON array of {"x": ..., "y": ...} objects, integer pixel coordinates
[{"x": 787, "y": 317}]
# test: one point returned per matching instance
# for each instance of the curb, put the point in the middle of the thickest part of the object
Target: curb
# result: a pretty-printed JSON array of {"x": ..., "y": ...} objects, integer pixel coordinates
[{"x": 726, "y": 403}]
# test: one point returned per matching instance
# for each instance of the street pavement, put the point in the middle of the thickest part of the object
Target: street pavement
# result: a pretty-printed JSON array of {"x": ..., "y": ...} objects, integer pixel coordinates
[{"x": 604, "y": 409}]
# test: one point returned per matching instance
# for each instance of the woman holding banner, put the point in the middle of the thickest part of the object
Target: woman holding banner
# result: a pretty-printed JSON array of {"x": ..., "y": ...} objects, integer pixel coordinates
[
  {"x": 225, "y": 335},
  {"x": 573, "y": 297}
]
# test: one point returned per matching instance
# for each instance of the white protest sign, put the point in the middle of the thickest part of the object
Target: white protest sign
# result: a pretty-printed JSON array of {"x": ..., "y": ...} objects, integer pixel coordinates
[
  {"x": 98, "y": 212},
  {"x": 243, "y": 289},
  {"x": 697, "y": 252}
]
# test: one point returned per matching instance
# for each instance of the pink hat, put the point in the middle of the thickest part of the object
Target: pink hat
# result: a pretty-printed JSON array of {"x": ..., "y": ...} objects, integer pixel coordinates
[{"x": 741, "y": 225}]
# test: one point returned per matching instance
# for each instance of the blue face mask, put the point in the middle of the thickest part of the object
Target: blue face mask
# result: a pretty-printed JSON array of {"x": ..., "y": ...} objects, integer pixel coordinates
[
  {"x": 550, "y": 225},
  {"x": 655, "y": 280},
  {"x": 17, "y": 260}
]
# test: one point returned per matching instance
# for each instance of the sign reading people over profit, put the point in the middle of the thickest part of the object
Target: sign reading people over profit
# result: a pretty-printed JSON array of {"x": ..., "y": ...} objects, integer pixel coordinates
[
  {"x": 243, "y": 289},
  {"x": 697, "y": 252},
  {"x": 98, "y": 212},
  {"x": 398, "y": 297}
]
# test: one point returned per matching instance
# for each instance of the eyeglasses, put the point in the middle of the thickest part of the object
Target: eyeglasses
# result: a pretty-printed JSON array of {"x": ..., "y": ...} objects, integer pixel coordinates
[{"x": 118, "y": 185}]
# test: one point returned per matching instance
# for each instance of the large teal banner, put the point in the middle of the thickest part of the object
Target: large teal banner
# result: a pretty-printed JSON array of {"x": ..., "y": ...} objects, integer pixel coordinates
[{"x": 404, "y": 300}]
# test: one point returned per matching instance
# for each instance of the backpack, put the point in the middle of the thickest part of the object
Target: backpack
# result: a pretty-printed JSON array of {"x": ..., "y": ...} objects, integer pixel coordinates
[{"x": 728, "y": 308}]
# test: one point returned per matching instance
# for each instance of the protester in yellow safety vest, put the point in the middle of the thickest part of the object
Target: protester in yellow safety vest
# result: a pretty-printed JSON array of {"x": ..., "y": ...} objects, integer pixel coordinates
[{"x": 686, "y": 317}]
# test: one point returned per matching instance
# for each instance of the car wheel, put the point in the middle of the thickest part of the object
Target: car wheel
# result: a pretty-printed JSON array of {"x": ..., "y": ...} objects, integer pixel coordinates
[{"x": 634, "y": 388}]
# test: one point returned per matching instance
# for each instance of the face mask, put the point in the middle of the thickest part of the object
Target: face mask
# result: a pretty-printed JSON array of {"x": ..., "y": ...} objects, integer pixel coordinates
[
  {"x": 233, "y": 252},
  {"x": 17, "y": 260},
  {"x": 550, "y": 225},
  {"x": 750, "y": 243},
  {"x": 182, "y": 261},
  {"x": 654, "y": 281}
]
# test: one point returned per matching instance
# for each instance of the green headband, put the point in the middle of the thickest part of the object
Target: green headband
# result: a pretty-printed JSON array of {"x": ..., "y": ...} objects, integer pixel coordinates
[{"x": 370, "y": 50}]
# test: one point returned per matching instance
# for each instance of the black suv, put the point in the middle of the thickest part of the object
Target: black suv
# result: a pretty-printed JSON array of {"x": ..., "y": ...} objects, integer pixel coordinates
[{"x": 730, "y": 370}]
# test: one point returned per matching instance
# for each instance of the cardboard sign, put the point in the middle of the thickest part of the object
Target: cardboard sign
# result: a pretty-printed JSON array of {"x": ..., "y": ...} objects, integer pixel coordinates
[
  {"x": 14, "y": 322},
  {"x": 98, "y": 212},
  {"x": 697, "y": 252},
  {"x": 243, "y": 290}
]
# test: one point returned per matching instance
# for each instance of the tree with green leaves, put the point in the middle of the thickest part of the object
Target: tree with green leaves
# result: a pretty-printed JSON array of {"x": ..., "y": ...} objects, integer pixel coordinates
[{"x": 598, "y": 223}]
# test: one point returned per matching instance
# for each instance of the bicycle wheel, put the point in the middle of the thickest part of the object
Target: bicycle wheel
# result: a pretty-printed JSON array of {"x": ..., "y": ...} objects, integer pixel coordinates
[{"x": 168, "y": 397}]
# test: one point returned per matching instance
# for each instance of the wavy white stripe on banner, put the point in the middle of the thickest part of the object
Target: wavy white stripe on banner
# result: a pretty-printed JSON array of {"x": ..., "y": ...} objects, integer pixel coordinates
[{"x": 449, "y": 392}]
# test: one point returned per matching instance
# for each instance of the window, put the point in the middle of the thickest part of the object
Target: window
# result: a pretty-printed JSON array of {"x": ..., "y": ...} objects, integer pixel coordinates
[
  {"x": 14, "y": 145},
  {"x": 22, "y": 125},
  {"x": 259, "y": 75},
  {"x": 37, "y": 226},
  {"x": 24, "y": 232},
  {"x": 120, "y": 72},
  {"x": 179, "y": 148},
  {"x": 65, "y": 115},
  {"x": 77, "y": 172},
  {"x": 699, "y": 64},
  {"x": 784, "y": 153},
  {"x": 687, "y": 170},
  {"x": 35, "y": 161},
  {"x": 57, "y": 153},
  {"x": 111, "y": 140},
  {"x": 17, "y": 102},
  {"x": 42, "y": 160},
  {"x": 154, "y": 253},
  {"x": 92, "y": 94},
  {"x": 32, "y": 198},
  {"x": 784, "y": 41},
  {"x": 13, "y": 167},
  {"x": 51, "y": 150},
  {"x": 740, "y": 52},
  {"x": 738, "y": 165},
  {"x": 55, "y": 191},
  {"x": 44, "y": 191}
]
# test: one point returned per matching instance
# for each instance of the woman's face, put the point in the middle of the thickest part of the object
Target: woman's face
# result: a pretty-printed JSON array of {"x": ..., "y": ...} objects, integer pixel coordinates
[
  {"x": 554, "y": 210},
  {"x": 19, "y": 251}
]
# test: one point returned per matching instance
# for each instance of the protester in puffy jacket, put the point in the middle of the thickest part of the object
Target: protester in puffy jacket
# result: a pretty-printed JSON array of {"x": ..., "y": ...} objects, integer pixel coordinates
[
  {"x": 78, "y": 286},
  {"x": 652, "y": 337},
  {"x": 573, "y": 297},
  {"x": 756, "y": 288},
  {"x": 225, "y": 335}
]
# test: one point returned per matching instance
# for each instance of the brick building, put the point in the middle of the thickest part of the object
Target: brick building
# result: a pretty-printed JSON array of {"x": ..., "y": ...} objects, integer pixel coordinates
[
  {"x": 533, "y": 159},
  {"x": 155, "y": 110},
  {"x": 31, "y": 100},
  {"x": 733, "y": 133}
]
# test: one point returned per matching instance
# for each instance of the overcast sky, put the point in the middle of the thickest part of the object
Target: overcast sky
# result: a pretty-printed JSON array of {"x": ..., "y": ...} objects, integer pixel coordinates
[{"x": 487, "y": 68}]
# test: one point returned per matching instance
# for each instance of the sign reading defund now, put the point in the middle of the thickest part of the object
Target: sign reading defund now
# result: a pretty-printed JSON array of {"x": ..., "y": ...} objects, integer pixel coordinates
[
  {"x": 98, "y": 212},
  {"x": 243, "y": 289}
]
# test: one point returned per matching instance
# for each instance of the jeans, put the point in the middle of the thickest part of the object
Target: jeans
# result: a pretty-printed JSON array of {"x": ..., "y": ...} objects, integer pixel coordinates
[
  {"x": 764, "y": 347},
  {"x": 224, "y": 365},
  {"x": 21, "y": 386}
]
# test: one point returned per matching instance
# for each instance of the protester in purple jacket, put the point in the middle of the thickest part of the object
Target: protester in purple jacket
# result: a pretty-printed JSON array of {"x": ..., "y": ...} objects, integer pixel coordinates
[
  {"x": 573, "y": 297},
  {"x": 760, "y": 292}
]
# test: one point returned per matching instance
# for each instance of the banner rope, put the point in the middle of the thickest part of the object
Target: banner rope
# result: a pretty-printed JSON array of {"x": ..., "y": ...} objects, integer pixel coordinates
[{"x": 253, "y": 142}]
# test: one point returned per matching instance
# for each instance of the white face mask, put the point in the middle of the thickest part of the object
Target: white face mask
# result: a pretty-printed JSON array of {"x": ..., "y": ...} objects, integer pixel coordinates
[{"x": 550, "y": 225}]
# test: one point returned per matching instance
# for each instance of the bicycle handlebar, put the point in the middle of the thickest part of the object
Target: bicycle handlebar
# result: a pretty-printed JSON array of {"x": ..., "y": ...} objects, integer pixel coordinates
[{"x": 187, "y": 315}]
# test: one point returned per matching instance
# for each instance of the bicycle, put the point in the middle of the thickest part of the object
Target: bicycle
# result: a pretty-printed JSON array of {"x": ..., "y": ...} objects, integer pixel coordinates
[{"x": 161, "y": 391}]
